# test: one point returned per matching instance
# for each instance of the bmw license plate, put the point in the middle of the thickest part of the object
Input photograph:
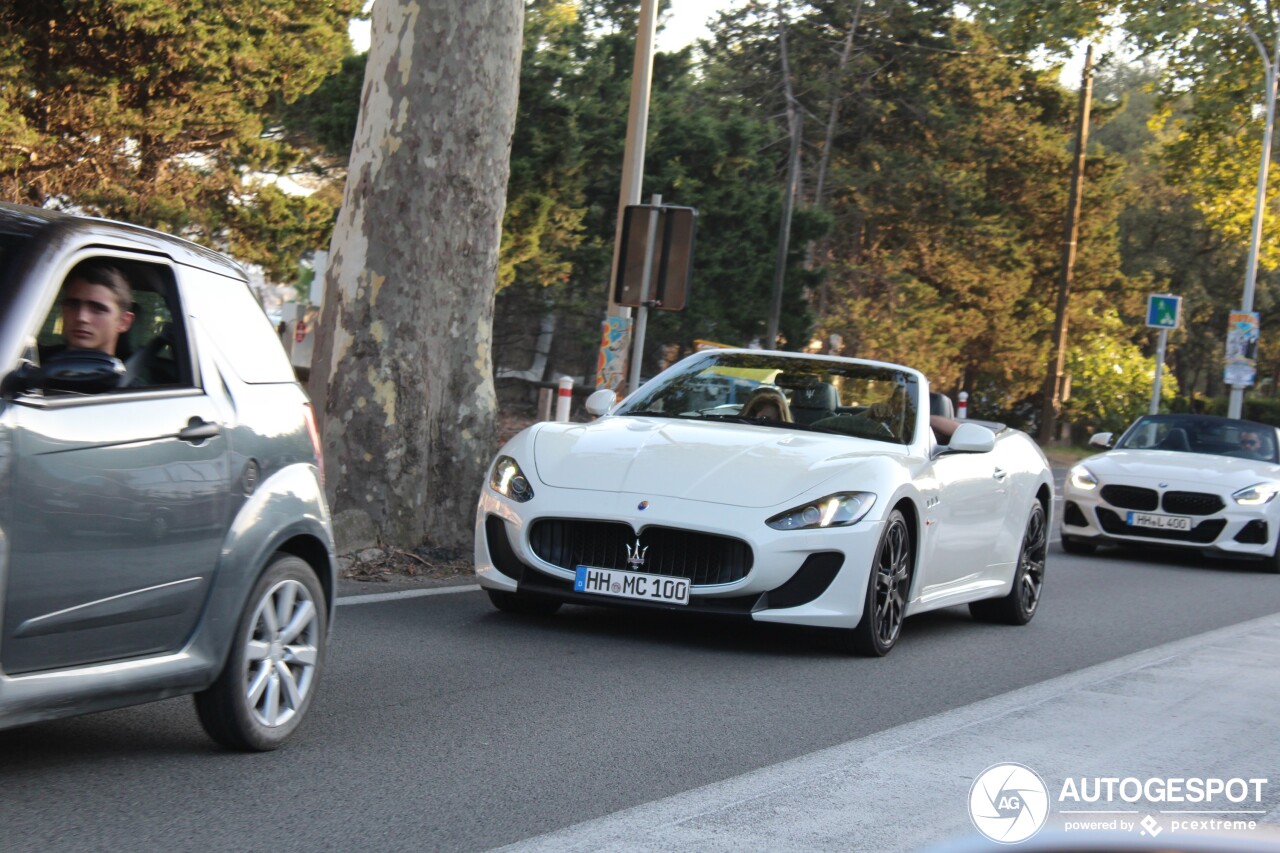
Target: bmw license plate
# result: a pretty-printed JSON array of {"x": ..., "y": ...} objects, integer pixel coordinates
[
  {"x": 632, "y": 585},
  {"x": 1159, "y": 522}
]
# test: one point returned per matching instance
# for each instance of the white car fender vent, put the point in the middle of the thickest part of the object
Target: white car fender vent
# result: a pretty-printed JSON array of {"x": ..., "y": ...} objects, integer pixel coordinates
[
  {"x": 1073, "y": 515},
  {"x": 1253, "y": 533},
  {"x": 501, "y": 554},
  {"x": 810, "y": 581}
]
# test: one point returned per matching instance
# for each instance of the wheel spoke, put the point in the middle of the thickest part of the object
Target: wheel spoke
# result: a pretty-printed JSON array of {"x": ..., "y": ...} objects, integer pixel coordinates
[
  {"x": 271, "y": 702},
  {"x": 258, "y": 684},
  {"x": 267, "y": 617},
  {"x": 285, "y": 595},
  {"x": 256, "y": 650},
  {"x": 292, "y": 695},
  {"x": 302, "y": 618},
  {"x": 301, "y": 655}
]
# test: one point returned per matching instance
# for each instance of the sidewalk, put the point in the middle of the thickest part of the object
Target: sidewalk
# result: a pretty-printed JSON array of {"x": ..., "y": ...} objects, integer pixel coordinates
[{"x": 1202, "y": 707}]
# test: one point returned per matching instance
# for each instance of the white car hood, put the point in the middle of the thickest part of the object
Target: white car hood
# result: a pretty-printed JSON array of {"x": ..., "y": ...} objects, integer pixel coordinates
[
  {"x": 715, "y": 462},
  {"x": 1185, "y": 471}
]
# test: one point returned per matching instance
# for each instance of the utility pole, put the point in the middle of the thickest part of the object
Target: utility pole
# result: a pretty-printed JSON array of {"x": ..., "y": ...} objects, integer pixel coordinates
[
  {"x": 789, "y": 196},
  {"x": 1057, "y": 361},
  {"x": 1235, "y": 403},
  {"x": 616, "y": 340}
]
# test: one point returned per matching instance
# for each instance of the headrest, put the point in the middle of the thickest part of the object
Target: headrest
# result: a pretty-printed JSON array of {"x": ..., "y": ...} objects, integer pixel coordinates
[{"x": 940, "y": 404}]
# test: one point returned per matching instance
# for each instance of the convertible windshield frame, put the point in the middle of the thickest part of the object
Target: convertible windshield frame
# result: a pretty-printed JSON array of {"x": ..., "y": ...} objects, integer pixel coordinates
[
  {"x": 839, "y": 396},
  {"x": 1205, "y": 434}
]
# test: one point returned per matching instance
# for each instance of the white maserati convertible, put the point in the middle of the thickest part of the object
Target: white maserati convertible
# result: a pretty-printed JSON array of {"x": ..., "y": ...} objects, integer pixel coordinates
[
  {"x": 778, "y": 487},
  {"x": 1185, "y": 481}
]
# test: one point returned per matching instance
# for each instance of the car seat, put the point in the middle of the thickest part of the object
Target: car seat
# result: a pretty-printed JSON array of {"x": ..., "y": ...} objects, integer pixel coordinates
[
  {"x": 1175, "y": 440},
  {"x": 814, "y": 402}
]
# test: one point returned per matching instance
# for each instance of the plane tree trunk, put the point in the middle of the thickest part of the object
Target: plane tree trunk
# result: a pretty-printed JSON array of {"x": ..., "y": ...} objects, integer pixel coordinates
[{"x": 402, "y": 378}]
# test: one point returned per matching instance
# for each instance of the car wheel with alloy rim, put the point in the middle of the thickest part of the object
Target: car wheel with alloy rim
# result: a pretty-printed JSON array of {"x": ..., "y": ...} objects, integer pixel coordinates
[
  {"x": 1020, "y": 604},
  {"x": 270, "y": 675},
  {"x": 887, "y": 591}
]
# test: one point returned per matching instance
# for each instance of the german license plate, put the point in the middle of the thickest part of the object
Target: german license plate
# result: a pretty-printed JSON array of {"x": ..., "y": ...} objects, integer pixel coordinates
[
  {"x": 1159, "y": 522},
  {"x": 632, "y": 585}
]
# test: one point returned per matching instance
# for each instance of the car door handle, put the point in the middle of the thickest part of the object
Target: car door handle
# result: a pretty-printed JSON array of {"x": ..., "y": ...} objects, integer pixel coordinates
[
  {"x": 198, "y": 430},
  {"x": 999, "y": 474}
]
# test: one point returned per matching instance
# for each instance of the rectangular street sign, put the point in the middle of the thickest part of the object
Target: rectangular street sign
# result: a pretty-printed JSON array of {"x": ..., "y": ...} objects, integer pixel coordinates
[{"x": 1164, "y": 311}]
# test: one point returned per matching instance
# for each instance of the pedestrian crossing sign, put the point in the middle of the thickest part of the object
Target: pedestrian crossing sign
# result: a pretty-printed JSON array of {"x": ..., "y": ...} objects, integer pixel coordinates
[{"x": 1164, "y": 311}]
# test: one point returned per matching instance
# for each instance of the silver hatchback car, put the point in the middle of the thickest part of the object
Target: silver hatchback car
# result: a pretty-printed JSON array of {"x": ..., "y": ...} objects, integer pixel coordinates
[{"x": 163, "y": 525}]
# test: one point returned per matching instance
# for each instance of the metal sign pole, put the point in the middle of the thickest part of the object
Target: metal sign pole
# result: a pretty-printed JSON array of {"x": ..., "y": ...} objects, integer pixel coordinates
[
  {"x": 642, "y": 313},
  {"x": 1155, "y": 390}
]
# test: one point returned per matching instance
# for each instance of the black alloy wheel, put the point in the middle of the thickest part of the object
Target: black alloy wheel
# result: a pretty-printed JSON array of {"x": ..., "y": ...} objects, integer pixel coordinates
[
  {"x": 1020, "y": 604},
  {"x": 887, "y": 591}
]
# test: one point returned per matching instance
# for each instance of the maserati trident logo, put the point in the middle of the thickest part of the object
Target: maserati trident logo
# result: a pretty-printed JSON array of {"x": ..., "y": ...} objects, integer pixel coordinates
[{"x": 636, "y": 558}]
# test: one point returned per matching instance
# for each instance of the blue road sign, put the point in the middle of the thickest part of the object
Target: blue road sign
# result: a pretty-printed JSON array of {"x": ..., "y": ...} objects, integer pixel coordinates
[{"x": 1164, "y": 311}]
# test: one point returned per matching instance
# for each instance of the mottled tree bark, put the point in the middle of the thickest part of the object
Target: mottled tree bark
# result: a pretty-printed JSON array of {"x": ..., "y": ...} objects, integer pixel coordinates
[{"x": 402, "y": 376}]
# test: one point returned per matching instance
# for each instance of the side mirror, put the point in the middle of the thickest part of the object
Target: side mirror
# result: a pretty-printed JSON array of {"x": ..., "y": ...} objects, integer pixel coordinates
[
  {"x": 971, "y": 438},
  {"x": 1101, "y": 439},
  {"x": 600, "y": 402}
]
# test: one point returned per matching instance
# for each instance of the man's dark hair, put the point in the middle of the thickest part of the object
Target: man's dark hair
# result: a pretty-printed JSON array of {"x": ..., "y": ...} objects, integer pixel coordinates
[{"x": 97, "y": 272}]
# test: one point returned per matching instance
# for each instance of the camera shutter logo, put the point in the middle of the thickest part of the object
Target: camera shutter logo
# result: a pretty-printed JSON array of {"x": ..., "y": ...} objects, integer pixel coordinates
[{"x": 1008, "y": 803}]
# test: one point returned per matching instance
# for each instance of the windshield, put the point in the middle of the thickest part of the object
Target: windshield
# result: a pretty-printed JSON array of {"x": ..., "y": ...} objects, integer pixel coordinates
[
  {"x": 791, "y": 392},
  {"x": 1203, "y": 434}
]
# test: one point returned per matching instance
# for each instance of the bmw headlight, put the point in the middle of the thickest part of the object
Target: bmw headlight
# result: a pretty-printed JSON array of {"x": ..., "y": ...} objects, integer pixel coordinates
[
  {"x": 1082, "y": 478},
  {"x": 838, "y": 510},
  {"x": 1256, "y": 495},
  {"x": 508, "y": 480}
]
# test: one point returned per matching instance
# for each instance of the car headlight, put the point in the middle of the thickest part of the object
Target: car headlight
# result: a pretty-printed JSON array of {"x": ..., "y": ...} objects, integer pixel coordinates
[
  {"x": 1082, "y": 478},
  {"x": 509, "y": 481},
  {"x": 838, "y": 510},
  {"x": 1256, "y": 495}
]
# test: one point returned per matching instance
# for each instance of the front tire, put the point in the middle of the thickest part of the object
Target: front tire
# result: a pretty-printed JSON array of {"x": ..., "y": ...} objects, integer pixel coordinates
[
  {"x": 887, "y": 590},
  {"x": 1023, "y": 599},
  {"x": 523, "y": 604},
  {"x": 276, "y": 657}
]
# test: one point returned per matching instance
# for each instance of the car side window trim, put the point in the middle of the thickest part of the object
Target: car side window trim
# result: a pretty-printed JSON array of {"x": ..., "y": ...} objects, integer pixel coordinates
[{"x": 170, "y": 272}]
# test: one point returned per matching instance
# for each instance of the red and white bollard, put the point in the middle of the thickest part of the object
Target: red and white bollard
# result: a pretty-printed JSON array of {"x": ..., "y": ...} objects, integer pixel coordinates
[
  {"x": 565, "y": 398},
  {"x": 962, "y": 411}
]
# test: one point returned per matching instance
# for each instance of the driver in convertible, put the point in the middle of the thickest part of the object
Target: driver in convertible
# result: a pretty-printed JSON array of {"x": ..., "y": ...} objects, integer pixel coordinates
[{"x": 1251, "y": 445}]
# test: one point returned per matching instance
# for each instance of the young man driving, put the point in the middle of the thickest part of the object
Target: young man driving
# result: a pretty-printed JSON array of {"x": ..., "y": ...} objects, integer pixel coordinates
[{"x": 96, "y": 302}]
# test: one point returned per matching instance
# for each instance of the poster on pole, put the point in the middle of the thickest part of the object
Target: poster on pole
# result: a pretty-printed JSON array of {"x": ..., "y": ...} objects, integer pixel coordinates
[
  {"x": 1242, "y": 348},
  {"x": 611, "y": 366}
]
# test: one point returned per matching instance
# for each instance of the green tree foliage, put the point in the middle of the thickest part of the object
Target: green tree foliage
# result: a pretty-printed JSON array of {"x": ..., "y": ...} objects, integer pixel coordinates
[
  {"x": 160, "y": 113},
  {"x": 1167, "y": 244},
  {"x": 1210, "y": 115},
  {"x": 703, "y": 150},
  {"x": 948, "y": 176},
  {"x": 1111, "y": 378}
]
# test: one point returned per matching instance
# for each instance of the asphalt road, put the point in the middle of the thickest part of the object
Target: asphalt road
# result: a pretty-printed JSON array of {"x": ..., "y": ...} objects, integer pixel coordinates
[{"x": 445, "y": 725}]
